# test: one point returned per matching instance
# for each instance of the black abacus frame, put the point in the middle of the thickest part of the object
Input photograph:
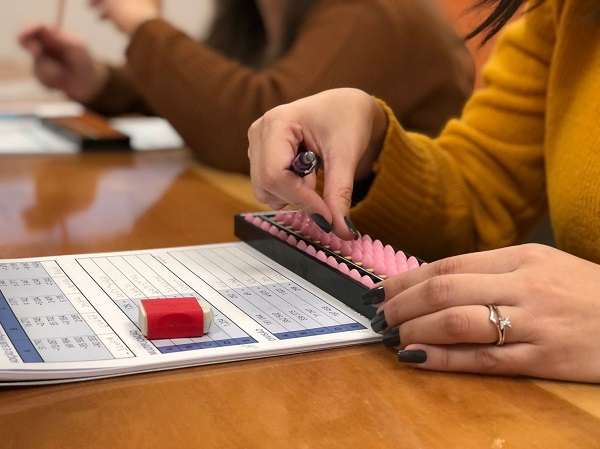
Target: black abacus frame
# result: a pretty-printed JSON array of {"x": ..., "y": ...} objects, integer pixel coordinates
[{"x": 318, "y": 273}]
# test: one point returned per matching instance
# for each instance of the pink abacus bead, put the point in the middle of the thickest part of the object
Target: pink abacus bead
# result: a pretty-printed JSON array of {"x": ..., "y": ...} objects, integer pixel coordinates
[
  {"x": 354, "y": 274},
  {"x": 346, "y": 248},
  {"x": 391, "y": 270},
  {"x": 331, "y": 261},
  {"x": 412, "y": 262},
  {"x": 389, "y": 259},
  {"x": 292, "y": 240},
  {"x": 311, "y": 251},
  {"x": 356, "y": 255},
  {"x": 380, "y": 267},
  {"x": 324, "y": 238},
  {"x": 301, "y": 245},
  {"x": 273, "y": 230},
  {"x": 366, "y": 280},
  {"x": 344, "y": 268},
  {"x": 306, "y": 228},
  {"x": 315, "y": 233},
  {"x": 280, "y": 216},
  {"x": 389, "y": 251},
  {"x": 288, "y": 218},
  {"x": 367, "y": 247},
  {"x": 282, "y": 235},
  {"x": 321, "y": 256},
  {"x": 401, "y": 267},
  {"x": 367, "y": 260},
  {"x": 297, "y": 223},
  {"x": 335, "y": 242},
  {"x": 400, "y": 257}
]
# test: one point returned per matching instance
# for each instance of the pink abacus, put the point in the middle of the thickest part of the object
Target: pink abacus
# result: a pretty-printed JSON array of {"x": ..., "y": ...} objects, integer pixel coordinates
[{"x": 364, "y": 260}]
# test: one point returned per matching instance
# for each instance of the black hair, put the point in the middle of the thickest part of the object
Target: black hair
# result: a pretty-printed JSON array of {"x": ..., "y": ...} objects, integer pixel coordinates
[
  {"x": 500, "y": 15},
  {"x": 238, "y": 31}
]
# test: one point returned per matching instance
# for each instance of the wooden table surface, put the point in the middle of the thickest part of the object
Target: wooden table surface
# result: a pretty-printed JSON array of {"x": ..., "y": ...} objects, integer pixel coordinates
[
  {"x": 351, "y": 397},
  {"x": 358, "y": 397}
]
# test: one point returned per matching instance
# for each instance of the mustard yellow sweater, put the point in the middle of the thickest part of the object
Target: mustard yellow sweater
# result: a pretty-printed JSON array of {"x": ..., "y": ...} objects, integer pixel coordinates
[{"x": 526, "y": 144}]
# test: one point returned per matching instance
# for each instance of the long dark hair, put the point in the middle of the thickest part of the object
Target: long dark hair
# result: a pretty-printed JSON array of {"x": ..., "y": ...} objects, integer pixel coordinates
[
  {"x": 499, "y": 16},
  {"x": 239, "y": 33}
]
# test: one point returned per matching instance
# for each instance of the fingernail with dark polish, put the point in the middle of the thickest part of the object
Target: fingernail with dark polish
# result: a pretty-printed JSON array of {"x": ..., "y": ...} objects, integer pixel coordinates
[
  {"x": 351, "y": 227},
  {"x": 412, "y": 356},
  {"x": 392, "y": 338},
  {"x": 321, "y": 222},
  {"x": 374, "y": 296},
  {"x": 379, "y": 323}
]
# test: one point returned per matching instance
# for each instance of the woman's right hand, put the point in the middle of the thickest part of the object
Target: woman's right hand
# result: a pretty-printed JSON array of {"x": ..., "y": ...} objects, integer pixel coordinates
[
  {"x": 61, "y": 61},
  {"x": 344, "y": 127}
]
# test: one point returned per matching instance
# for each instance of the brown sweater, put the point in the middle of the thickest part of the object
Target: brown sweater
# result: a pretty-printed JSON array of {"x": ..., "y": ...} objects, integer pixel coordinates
[{"x": 402, "y": 51}]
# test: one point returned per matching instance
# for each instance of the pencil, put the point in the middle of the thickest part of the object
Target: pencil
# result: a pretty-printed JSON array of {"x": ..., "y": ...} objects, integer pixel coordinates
[
  {"x": 60, "y": 14},
  {"x": 304, "y": 163}
]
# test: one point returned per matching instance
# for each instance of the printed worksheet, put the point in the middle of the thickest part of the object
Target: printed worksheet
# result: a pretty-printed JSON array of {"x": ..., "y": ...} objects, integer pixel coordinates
[{"x": 68, "y": 318}]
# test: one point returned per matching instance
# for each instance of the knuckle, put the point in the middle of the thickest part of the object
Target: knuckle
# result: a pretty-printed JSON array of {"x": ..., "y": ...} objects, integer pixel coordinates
[
  {"x": 486, "y": 360},
  {"x": 394, "y": 286},
  {"x": 268, "y": 180},
  {"x": 533, "y": 252},
  {"x": 261, "y": 196},
  {"x": 449, "y": 265},
  {"x": 438, "y": 292},
  {"x": 407, "y": 334},
  {"x": 344, "y": 195},
  {"x": 273, "y": 115},
  {"x": 254, "y": 128},
  {"x": 457, "y": 326},
  {"x": 393, "y": 314},
  {"x": 444, "y": 360}
]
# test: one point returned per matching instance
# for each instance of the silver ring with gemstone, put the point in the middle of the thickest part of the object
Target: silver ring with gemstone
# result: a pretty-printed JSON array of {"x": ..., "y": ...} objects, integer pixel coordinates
[{"x": 500, "y": 322}]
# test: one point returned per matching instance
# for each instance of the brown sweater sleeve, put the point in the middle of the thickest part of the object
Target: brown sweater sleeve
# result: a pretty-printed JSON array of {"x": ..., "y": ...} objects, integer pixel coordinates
[
  {"x": 119, "y": 95},
  {"x": 400, "y": 51}
]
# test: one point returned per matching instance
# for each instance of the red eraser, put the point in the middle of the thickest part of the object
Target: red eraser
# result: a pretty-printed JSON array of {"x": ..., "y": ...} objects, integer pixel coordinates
[{"x": 174, "y": 318}]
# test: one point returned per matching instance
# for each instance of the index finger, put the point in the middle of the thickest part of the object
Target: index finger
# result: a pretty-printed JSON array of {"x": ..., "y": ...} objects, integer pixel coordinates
[
  {"x": 272, "y": 146},
  {"x": 29, "y": 37},
  {"x": 498, "y": 261}
]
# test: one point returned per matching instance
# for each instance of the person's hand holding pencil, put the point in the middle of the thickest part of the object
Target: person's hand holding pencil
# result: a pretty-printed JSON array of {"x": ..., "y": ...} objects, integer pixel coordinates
[
  {"x": 60, "y": 14},
  {"x": 61, "y": 60}
]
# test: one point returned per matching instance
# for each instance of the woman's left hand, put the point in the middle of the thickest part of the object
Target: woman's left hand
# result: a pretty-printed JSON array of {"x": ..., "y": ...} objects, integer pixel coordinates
[
  {"x": 127, "y": 15},
  {"x": 551, "y": 300}
]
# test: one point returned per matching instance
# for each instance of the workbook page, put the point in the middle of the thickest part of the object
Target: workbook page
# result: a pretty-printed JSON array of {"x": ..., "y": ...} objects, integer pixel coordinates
[{"x": 75, "y": 317}]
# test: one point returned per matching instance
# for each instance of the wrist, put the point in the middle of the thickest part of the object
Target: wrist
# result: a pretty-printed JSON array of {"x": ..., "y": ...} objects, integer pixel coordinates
[
  {"x": 93, "y": 85},
  {"x": 129, "y": 27},
  {"x": 364, "y": 169}
]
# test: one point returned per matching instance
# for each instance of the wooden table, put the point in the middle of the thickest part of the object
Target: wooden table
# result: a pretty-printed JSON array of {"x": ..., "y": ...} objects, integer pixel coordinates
[{"x": 356, "y": 397}]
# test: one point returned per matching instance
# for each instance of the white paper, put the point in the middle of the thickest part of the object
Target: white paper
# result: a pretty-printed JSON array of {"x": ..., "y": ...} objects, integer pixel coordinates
[
  {"x": 69, "y": 318},
  {"x": 27, "y": 135},
  {"x": 21, "y": 131},
  {"x": 148, "y": 133}
]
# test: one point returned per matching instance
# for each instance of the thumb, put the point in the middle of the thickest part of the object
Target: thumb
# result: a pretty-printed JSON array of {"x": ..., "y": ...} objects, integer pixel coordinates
[
  {"x": 58, "y": 43},
  {"x": 29, "y": 39}
]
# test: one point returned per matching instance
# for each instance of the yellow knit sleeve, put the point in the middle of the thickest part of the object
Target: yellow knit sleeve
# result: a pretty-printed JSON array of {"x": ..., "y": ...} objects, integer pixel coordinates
[{"x": 480, "y": 184}]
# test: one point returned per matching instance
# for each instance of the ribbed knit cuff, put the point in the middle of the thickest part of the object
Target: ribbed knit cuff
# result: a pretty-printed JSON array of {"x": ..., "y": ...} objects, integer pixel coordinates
[{"x": 399, "y": 203}]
